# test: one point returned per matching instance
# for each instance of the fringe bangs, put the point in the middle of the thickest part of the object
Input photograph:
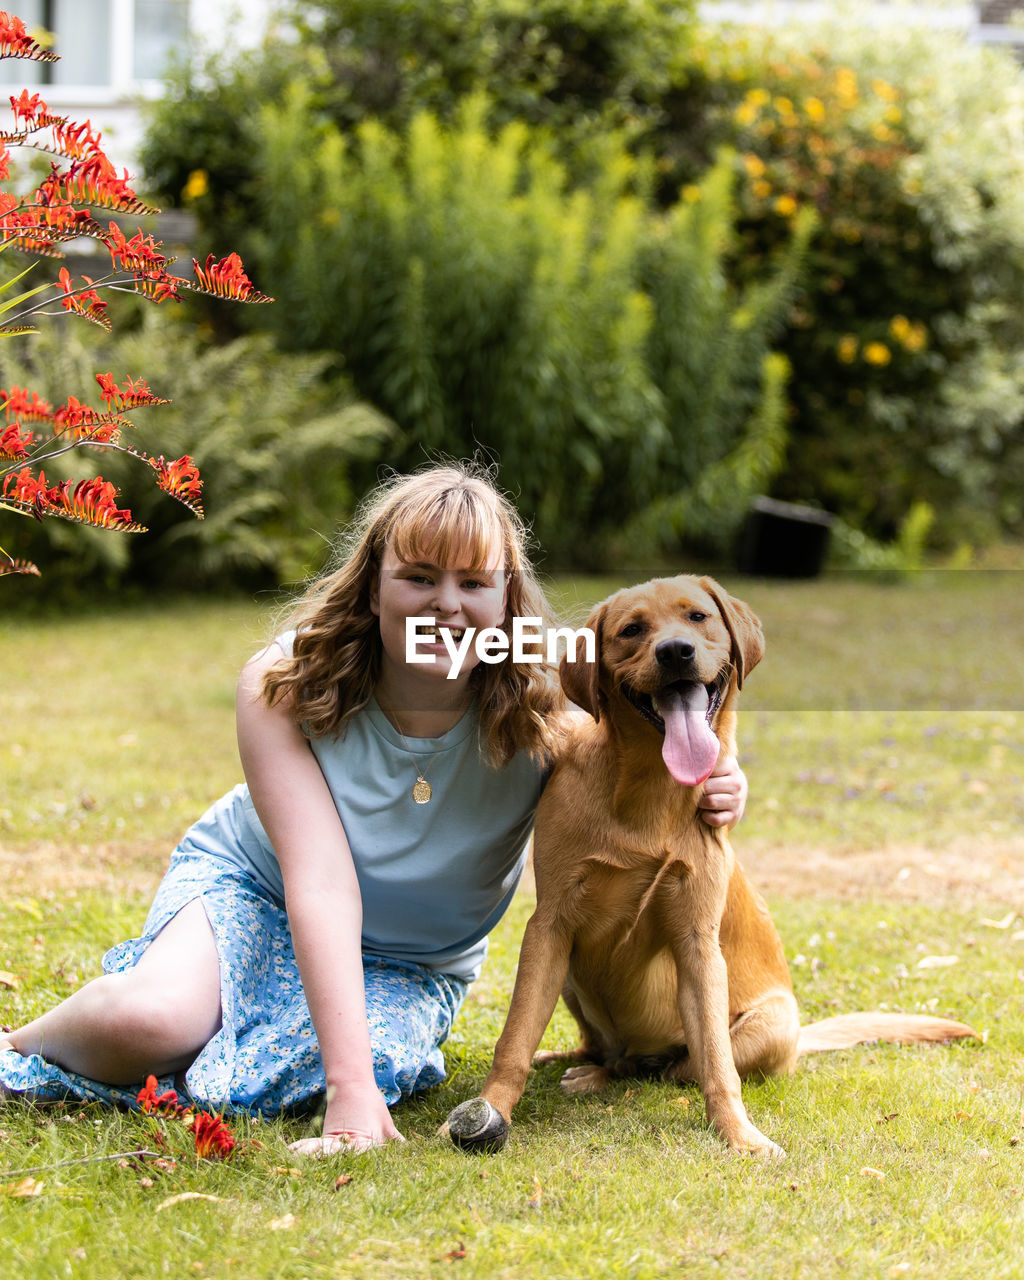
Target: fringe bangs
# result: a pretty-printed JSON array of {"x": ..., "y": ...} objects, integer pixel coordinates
[{"x": 450, "y": 527}]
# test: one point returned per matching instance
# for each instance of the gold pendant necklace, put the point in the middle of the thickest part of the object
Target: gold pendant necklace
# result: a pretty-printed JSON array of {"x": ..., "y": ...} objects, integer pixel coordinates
[{"x": 422, "y": 791}]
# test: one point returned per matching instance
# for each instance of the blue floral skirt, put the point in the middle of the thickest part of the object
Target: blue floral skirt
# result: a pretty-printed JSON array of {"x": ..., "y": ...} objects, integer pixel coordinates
[{"x": 265, "y": 1056}]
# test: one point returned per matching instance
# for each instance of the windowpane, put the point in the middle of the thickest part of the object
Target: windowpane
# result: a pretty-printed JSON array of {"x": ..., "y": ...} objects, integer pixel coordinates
[
  {"x": 83, "y": 42},
  {"x": 161, "y": 26}
]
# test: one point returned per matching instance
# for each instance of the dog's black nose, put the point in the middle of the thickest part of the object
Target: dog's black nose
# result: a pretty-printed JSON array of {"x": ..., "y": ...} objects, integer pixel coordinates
[{"x": 675, "y": 655}]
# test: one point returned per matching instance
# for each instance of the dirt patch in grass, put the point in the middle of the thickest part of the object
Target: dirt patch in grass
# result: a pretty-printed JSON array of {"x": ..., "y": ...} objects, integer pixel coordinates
[
  {"x": 974, "y": 870},
  {"x": 48, "y": 870}
]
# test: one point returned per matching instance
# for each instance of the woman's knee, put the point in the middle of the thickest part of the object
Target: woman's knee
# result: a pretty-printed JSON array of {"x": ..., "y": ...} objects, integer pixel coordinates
[{"x": 141, "y": 1017}]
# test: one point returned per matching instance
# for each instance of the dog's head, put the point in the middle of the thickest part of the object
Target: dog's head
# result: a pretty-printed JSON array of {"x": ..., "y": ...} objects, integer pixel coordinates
[{"x": 671, "y": 650}]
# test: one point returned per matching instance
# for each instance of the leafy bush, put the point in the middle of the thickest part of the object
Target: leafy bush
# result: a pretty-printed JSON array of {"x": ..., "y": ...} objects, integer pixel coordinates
[
  {"x": 906, "y": 340},
  {"x": 590, "y": 341},
  {"x": 273, "y": 437}
]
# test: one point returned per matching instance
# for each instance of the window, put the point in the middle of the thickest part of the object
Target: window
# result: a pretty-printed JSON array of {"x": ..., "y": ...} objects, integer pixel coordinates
[{"x": 106, "y": 47}]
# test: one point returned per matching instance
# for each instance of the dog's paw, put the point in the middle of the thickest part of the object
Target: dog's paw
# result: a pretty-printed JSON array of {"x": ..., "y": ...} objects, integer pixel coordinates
[
  {"x": 588, "y": 1078},
  {"x": 752, "y": 1142},
  {"x": 476, "y": 1126}
]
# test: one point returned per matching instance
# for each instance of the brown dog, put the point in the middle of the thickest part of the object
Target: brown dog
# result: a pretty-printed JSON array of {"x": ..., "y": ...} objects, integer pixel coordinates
[{"x": 645, "y": 924}]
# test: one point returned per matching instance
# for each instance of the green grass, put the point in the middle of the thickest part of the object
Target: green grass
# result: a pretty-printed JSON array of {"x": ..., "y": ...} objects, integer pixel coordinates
[
  {"x": 629, "y": 1183},
  {"x": 859, "y": 737}
]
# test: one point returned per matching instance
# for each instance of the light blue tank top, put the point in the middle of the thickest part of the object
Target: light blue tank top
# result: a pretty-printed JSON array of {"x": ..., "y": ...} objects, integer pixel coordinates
[{"x": 435, "y": 878}]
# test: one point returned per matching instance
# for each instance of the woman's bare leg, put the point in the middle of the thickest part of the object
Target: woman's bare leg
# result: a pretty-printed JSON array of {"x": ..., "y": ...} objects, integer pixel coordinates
[{"x": 152, "y": 1019}]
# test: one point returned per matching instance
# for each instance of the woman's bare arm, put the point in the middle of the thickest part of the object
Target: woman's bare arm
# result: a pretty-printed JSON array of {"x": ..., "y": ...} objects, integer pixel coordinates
[{"x": 323, "y": 903}]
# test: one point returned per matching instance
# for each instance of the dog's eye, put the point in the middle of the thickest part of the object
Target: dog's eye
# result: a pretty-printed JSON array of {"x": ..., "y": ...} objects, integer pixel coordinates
[
  {"x": 631, "y": 629},
  {"x": 698, "y": 617}
]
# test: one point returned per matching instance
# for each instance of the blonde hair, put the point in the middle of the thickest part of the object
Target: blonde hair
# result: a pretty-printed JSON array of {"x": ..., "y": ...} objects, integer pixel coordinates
[{"x": 442, "y": 512}]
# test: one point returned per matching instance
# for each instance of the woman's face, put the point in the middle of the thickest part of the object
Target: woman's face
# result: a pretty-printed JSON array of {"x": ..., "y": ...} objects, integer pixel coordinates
[{"x": 455, "y": 598}]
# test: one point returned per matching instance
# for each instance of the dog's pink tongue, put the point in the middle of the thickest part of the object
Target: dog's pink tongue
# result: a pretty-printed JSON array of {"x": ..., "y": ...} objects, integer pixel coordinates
[{"x": 690, "y": 748}]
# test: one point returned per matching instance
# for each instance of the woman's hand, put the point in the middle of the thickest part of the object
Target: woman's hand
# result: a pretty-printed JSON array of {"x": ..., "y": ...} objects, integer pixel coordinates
[
  {"x": 724, "y": 796},
  {"x": 353, "y": 1124}
]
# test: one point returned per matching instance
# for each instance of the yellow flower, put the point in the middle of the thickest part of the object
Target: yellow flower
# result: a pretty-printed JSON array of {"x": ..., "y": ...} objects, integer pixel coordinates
[
  {"x": 691, "y": 193},
  {"x": 762, "y": 189},
  {"x": 785, "y": 206},
  {"x": 197, "y": 185},
  {"x": 884, "y": 90},
  {"x": 877, "y": 353},
  {"x": 912, "y": 335},
  {"x": 899, "y": 326},
  {"x": 892, "y": 115},
  {"x": 882, "y": 132},
  {"x": 846, "y": 348},
  {"x": 847, "y": 89},
  {"x": 758, "y": 97},
  {"x": 784, "y": 106},
  {"x": 815, "y": 110},
  {"x": 754, "y": 165},
  {"x": 745, "y": 113}
]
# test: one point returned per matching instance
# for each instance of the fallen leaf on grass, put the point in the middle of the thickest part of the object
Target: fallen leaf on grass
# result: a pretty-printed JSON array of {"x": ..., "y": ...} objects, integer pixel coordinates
[
  {"x": 538, "y": 1193},
  {"x": 937, "y": 962},
  {"x": 459, "y": 1252},
  {"x": 8, "y": 979},
  {"x": 187, "y": 1195},
  {"x": 28, "y": 905},
  {"x": 868, "y": 1172},
  {"x": 23, "y": 1190},
  {"x": 342, "y": 1181},
  {"x": 1005, "y": 923},
  {"x": 282, "y": 1224}
]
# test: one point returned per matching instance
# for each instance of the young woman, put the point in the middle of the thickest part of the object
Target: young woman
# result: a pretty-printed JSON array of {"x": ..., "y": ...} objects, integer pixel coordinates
[{"x": 319, "y": 926}]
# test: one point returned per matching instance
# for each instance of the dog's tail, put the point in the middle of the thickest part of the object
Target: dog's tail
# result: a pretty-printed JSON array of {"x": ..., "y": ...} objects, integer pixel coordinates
[{"x": 860, "y": 1028}]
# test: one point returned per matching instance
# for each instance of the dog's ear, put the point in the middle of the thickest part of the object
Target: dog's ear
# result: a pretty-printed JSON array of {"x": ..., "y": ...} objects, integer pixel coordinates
[
  {"x": 581, "y": 679},
  {"x": 744, "y": 629}
]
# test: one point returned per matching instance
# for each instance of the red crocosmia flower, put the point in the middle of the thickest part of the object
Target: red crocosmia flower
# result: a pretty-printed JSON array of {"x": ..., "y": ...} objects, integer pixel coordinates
[
  {"x": 29, "y": 491},
  {"x": 109, "y": 390},
  {"x": 27, "y": 405},
  {"x": 10, "y": 565},
  {"x": 28, "y": 107},
  {"x": 181, "y": 480},
  {"x": 84, "y": 302},
  {"x": 140, "y": 253},
  {"x": 14, "y": 441},
  {"x": 93, "y": 502},
  {"x": 15, "y": 42},
  {"x": 75, "y": 141},
  {"x": 75, "y": 418},
  {"x": 227, "y": 279},
  {"x": 133, "y": 393},
  {"x": 150, "y": 1101},
  {"x": 213, "y": 1139}
]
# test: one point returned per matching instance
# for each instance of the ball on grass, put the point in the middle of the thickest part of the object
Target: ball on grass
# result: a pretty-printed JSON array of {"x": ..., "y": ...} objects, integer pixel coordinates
[{"x": 477, "y": 1127}]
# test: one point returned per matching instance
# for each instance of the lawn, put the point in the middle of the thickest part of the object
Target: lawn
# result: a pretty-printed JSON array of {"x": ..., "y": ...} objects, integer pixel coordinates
[{"x": 883, "y": 737}]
